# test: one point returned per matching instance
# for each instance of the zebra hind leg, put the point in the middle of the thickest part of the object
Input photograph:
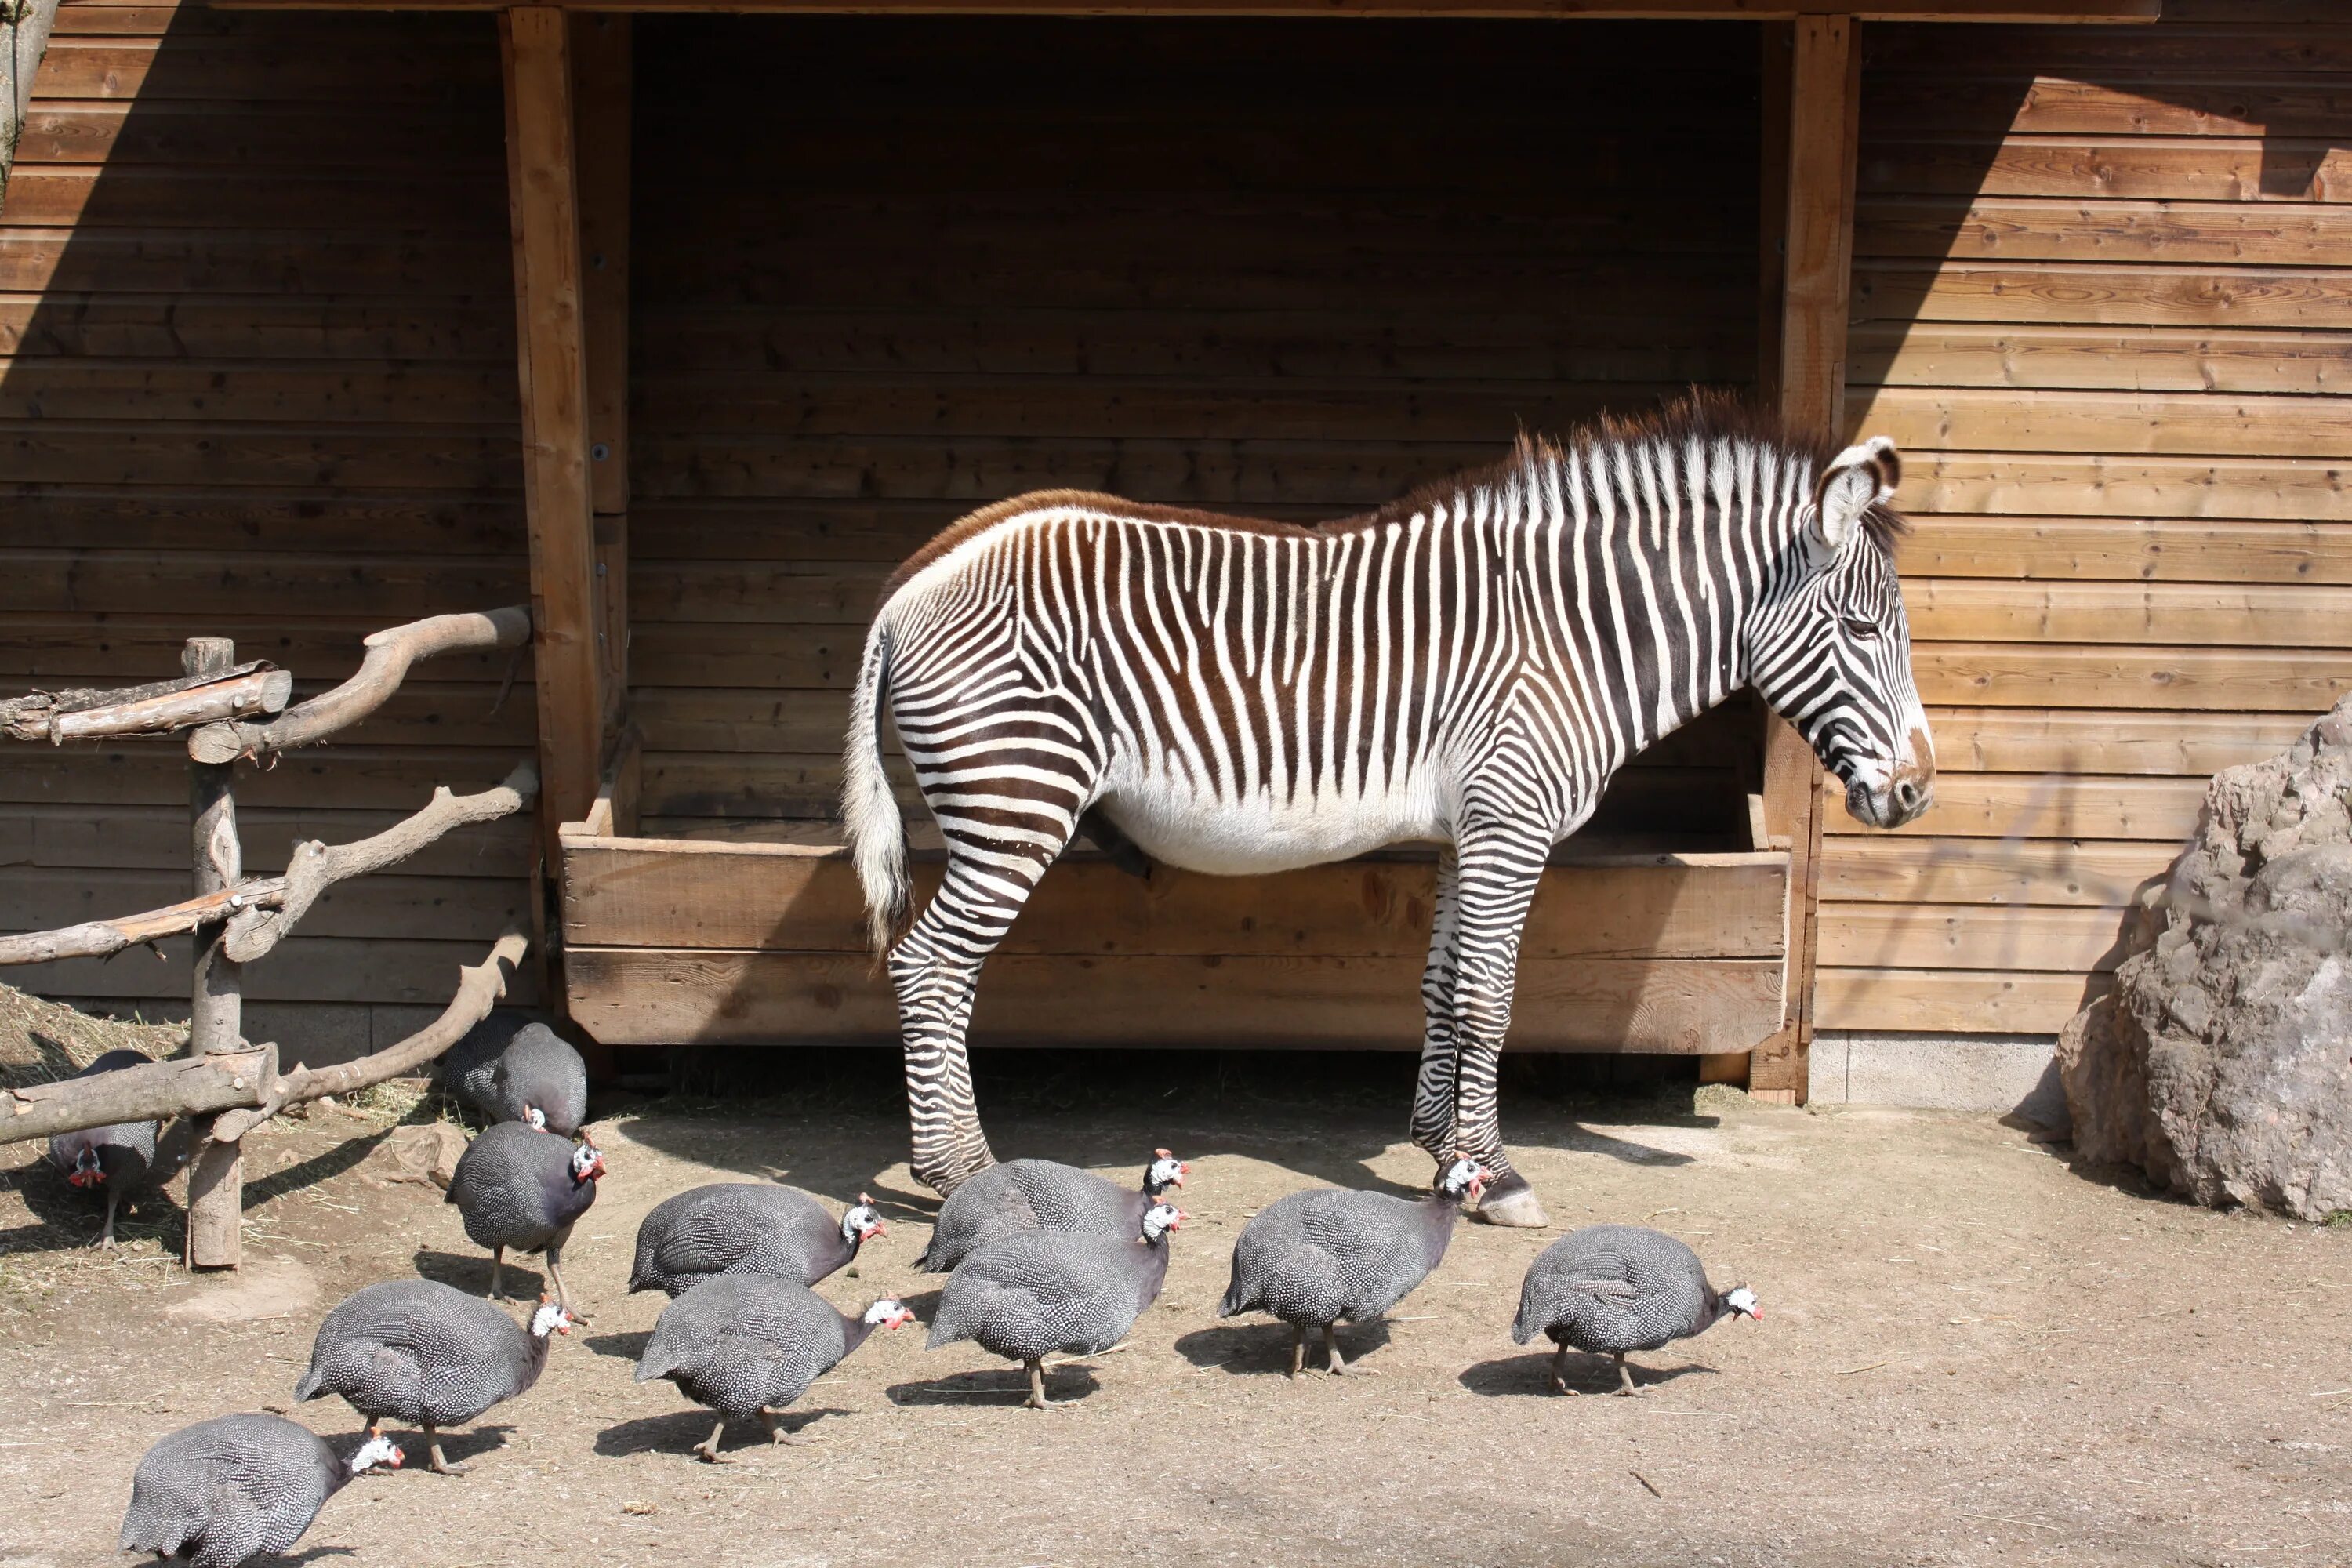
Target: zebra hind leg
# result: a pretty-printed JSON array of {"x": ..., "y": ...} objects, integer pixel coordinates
[
  {"x": 1499, "y": 873},
  {"x": 1433, "y": 1091}
]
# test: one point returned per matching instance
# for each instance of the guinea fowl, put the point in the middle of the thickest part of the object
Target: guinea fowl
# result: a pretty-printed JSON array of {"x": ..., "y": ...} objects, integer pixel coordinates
[
  {"x": 1314, "y": 1258},
  {"x": 119, "y": 1159},
  {"x": 512, "y": 1068},
  {"x": 746, "y": 1227},
  {"x": 1043, "y": 1194},
  {"x": 419, "y": 1352},
  {"x": 1033, "y": 1294},
  {"x": 521, "y": 1188},
  {"x": 1610, "y": 1290},
  {"x": 227, "y": 1490},
  {"x": 747, "y": 1345}
]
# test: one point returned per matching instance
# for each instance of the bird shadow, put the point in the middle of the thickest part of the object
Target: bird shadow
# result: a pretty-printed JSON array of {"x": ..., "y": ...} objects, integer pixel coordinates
[
  {"x": 994, "y": 1385},
  {"x": 1253, "y": 1349},
  {"x": 1506, "y": 1376},
  {"x": 470, "y": 1272},
  {"x": 621, "y": 1347},
  {"x": 678, "y": 1431},
  {"x": 329, "y": 1161},
  {"x": 313, "y": 1554},
  {"x": 455, "y": 1446}
]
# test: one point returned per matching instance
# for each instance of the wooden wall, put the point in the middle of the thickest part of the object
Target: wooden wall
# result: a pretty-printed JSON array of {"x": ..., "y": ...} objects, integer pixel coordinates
[
  {"x": 886, "y": 271},
  {"x": 256, "y": 379},
  {"x": 2120, "y": 378}
]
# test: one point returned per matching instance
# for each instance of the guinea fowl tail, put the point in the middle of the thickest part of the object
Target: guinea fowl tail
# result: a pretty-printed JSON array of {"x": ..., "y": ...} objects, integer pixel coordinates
[
  {"x": 869, "y": 810},
  {"x": 659, "y": 1361},
  {"x": 313, "y": 1383},
  {"x": 1239, "y": 1297}
]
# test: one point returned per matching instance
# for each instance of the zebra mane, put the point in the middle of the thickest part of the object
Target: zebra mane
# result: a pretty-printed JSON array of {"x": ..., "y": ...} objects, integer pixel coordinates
[{"x": 1702, "y": 414}]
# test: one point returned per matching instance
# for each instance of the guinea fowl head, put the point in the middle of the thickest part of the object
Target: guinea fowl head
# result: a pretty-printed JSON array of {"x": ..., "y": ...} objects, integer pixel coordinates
[
  {"x": 376, "y": 1451},
  {"x": 587, "y": 1162},
  {"x": 86, "y": 1171},
  {"x": 1462, "y": 1178},
  {"x": 1739, "y": 1299},
  {"x": 1159, "y": 1219},
  {"x": 888, "y": 1313},
  {"x": 551, "y": 1318},
  {"x": 535, "y": 1116},
  {"x": 1165, "y": 1171},
  {"x": 863, "y": 1222}
]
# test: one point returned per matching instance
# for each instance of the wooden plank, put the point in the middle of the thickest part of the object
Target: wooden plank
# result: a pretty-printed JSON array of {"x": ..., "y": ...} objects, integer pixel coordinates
[
  {"x": 2255, "y": 169},
  {"x": 379, "y": 908},
  {"x": 306, "y": 969},
  {"x": 2167, "y": 742},
  {"x": 1996, "y": 228},
  {"x": 79, "y": 323},
  {"x": 1911, "y": 872},
  {"x": 535, "y": 48},
  {"x": 2112, "y": 423},
  {"x": 1930, "y": 936},
  {"x": 232, "y": 523},
  {"x": 369, "y": 777},
  {"x": 45, "y": 387},
  {"x": 2087, "y": 805},
  {"x": 2190, "y": 102},
  {"x": 2135, "y": 359},
  {"x": 2211, "y": 48},
  {"x": 2211, "y": 614},
  {"x": 603, "y": 90},
  {"x": 90, "y": 196},
  {"x": 460, "y": 136},
  {"x": 51, "y": 451},
  {"x": 444, "y": 268},
  {"x": 2093, "y": 485},
  {"x": 1960, "y": 1002},
  {"x": 406, "y": 63},
  {"x": 2095, "y": 293},
  {"x": 653, "y": 893},
  {"x": 2087, "y": 550},
  {"x": 653, "y": 996},
  {"x": 87, "y": 838},
  {"x": 193, "y": 582},
  {"x": 51, "y": 647},
  {"x": 2044, "y": 10},
  {"x": 2306, "y": 681}
]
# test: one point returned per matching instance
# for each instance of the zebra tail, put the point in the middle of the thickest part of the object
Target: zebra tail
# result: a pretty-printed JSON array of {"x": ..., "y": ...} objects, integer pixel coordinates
[{"x": 869, "y": 811}]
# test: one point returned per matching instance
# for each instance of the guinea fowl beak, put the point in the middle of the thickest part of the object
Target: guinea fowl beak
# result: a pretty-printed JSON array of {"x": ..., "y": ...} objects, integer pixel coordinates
[
  {"x": 394, "y": 1462},
  {"x": 876, "y": 1228}
]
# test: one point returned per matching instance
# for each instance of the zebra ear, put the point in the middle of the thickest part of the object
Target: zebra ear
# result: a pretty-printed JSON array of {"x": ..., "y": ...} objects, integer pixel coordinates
[{"x": 1856, "y": 481}]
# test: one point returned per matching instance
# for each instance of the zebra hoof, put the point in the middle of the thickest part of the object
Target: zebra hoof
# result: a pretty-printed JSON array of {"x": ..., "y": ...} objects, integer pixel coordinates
[{"x": 1512, "y": 1201}]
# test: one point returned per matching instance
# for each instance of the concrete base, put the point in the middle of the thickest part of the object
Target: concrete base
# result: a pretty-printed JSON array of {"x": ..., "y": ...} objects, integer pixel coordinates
[{"x": 2008, "y": 1073}]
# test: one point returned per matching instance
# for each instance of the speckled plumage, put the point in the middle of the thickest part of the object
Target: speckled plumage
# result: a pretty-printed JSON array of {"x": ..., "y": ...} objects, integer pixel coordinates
[
  {"x": 225, "y": 1490},
  {"x": 1317, "y": 1257},
  {"x": 737, "y": 1228},
  {"x": 514, "y": 1187},
  {"x": 1609, "y": 1290},
  {"x": 743, "y": 1344},
  {"x": 418, "y": 1351},
  {"x": 1033, "y": 1194},
  {"x": 1040, "y": 1292},
  {"x": 125, "y": 1152},
  {"x": 508, "y": 1062}
]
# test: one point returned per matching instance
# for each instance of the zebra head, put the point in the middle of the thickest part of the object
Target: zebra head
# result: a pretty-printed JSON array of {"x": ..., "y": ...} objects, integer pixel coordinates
[{"x": 1830, "y": 650}]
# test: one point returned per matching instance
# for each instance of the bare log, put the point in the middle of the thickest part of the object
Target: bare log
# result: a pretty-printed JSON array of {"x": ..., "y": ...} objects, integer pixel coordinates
[
  {"x": 479, "y": 987},
  {"x": 185, "y": 1086},
  {"x": 157, "y": 708},
  {"x": 390, "y": 652},
  {"x": 261, "y": 910},
  {"x": 313, "y": 867}
]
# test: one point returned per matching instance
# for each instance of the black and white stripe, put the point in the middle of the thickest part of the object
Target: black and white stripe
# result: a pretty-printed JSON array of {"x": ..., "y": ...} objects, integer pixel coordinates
[{"x": 1470, "y": 665}]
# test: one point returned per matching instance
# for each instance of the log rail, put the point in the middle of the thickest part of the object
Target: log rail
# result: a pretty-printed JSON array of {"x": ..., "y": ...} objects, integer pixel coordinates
[{"x": 228, "y": 1086}]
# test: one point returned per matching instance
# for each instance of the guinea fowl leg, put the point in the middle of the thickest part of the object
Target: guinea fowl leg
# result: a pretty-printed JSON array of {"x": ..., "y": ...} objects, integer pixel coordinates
[
  {"x": 106, "y": 1237},
  {"x": 1297, "y": 1348},
  {"x": 774, "y": 1420},
  {"x": 1627, "y": 1387},
  {"x": 562, "y": 1296},
  {"x": 497, "y": 1273},
  {"x": 1559, "y": 1370},
  {"x": 1339, "y": 1367},
  {"x": 707, "y": 1449},
  {"x": 1037, "y": 1400},
  {"x": 441, "y": 1466}
]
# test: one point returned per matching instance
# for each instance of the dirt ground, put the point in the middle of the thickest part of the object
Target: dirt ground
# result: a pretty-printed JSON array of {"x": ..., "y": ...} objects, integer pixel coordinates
[{"x": 1969, "y": 1353}]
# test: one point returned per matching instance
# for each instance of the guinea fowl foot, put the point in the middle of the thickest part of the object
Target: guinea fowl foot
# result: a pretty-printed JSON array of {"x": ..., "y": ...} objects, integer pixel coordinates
[
  {"x": 1339, "y": 1363},
  {"x": 1627, "y": 1387},
  {"x": 1298, "y": 1349},
  {"x": 1560, "y": 1372},
  {"x": 707, "y": 1449},
  {"x": 1512, "y": 1201},
  {"x": 1037, "y": 1400},
  {"x": 774, "y": 1420},
  {"x": 441, "y": 1465}
]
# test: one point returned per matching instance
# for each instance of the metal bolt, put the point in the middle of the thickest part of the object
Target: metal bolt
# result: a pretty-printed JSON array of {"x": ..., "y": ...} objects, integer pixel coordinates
[{"x": 600, "y": 451}]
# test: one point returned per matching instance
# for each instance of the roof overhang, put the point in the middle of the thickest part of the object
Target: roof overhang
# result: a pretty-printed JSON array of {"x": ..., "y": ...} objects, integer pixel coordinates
[{"x": 1650, "y": 10}]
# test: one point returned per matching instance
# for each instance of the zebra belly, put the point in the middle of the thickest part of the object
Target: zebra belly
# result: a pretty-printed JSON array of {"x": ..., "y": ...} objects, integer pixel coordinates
[{"x": 1259, "y": 834}]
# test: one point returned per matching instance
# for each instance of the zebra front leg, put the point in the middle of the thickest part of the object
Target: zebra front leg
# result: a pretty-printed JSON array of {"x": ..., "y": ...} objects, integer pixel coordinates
[
  {"x": 1498, "y": 880},
  {"x": 1432, "y": 1093}
]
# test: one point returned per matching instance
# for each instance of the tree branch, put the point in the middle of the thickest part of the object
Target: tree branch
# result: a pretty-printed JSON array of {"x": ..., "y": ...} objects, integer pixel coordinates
[
  {"x": 185, "y": 1086},
  {"x": 479, "y": 990},
  {"x": 261, "y": 910},
  {"x": 158, "y": 707},
  {"x": 390, "y": 652}
]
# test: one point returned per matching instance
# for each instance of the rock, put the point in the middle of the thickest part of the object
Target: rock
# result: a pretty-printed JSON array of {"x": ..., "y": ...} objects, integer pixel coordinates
[
  {"x": 2221, "y": 1063},
  {"x": 419, "y": 1153}
]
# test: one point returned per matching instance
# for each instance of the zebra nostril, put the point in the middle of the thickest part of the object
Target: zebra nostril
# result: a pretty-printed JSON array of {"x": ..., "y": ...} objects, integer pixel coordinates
[{"x": 1907, "y": 794}]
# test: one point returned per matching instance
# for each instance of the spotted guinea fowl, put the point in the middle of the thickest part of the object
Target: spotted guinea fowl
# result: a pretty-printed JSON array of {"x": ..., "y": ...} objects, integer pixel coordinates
[
  {"x": 419, "y": 1352},
  {"x": 228, "y": 1491},
  {"x": 746, "y": 1227},
  {"x": 523, "y": 1189},
  {"x": 1039, "y": 1292},
  {"x": 117, "y": 1160},
  {"x": 512, "y": 1068},
  {"x": 747, "y": 1345},
  {"x": 1610, "y": 1290},
  {"x": 1043, "y": 1194},
  {"x": 1314, "y": 1258}
]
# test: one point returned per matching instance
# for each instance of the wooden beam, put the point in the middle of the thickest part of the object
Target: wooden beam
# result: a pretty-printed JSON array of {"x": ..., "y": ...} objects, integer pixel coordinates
[
  {"x": 602, "y": 91},
  {"x": 551, "y": 362},
  {"x": 1822, "y": 100},
  {"x": 1665, "y": 10}
]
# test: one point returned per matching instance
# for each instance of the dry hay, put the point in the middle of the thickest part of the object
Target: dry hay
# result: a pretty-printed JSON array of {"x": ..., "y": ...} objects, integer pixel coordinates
[{"x": 41, "y": 1041}]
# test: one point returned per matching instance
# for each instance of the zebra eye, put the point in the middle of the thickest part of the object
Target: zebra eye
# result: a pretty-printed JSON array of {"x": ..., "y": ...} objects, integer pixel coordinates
[{"x": 1860, "y": 629}]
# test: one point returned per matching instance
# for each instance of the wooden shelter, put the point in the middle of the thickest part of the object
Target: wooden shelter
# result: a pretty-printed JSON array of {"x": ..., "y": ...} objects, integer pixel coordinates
[{"x": 330, "y": 313}]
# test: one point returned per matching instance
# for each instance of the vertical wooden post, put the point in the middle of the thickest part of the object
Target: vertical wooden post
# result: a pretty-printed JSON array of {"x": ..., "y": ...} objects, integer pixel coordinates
[
  {"x": 551, "y": 364},
  {"x": 216, "y": 997},
  {"x": 1823, "y": 103},
  {"x": 601, "y": 84}
]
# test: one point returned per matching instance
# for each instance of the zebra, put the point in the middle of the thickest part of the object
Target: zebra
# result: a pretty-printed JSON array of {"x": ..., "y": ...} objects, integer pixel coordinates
[{"x": 1469, "y": 665}]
